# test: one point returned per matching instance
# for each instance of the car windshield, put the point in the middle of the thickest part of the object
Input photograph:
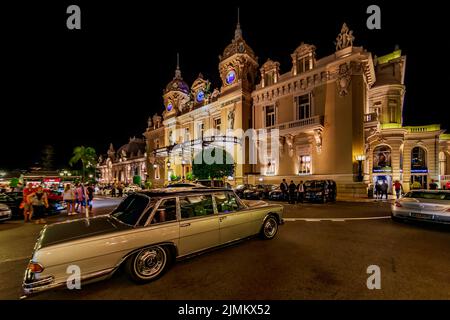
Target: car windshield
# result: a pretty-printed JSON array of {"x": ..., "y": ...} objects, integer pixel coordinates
[
  {"x": 314, "y": 184},
  {"x": 428, "y": 195},
  {"x": 130, "y": 210}
]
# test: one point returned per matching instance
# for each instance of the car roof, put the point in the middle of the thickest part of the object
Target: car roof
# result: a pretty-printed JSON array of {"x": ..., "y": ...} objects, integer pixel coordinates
[{"x": 165, "y": 192}]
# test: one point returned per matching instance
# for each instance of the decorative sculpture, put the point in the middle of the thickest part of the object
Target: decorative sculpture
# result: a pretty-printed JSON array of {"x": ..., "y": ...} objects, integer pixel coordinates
[
  {"x": 231, "y": 119},
  {"x": 345, "y": 38}
]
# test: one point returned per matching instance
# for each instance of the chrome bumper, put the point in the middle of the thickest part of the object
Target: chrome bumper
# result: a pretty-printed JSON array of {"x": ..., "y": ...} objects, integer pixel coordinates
[{"x": 32, "y": 285}]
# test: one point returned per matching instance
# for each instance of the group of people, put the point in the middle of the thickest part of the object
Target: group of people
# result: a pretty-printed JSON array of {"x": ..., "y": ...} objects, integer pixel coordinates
[
  {"x": 116, "y": 190},
  {"x": 292, "y": 192},
  {"x": 35, "y": 201},
  {"x": 78, "y": 198}
]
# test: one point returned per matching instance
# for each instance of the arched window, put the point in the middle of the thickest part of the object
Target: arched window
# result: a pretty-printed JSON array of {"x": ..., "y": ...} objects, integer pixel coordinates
[
  {"x": 418, "y": 160},
  {"x": 382, "y": 159}
]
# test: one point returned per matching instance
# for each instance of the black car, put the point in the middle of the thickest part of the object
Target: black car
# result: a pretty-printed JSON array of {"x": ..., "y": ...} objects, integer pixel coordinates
[
  {"x": 277, "y": 194},
  {"x": 14, "y": 199},
  {"x": 260, "y": 191},
  {"x": 239, "y": 190},
  {"x": 320, "y": 190}
]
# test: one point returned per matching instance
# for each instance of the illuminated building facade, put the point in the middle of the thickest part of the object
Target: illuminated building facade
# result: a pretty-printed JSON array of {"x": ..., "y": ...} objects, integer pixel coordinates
[
  {"x": 123, "y": 165},
  {"x": 339, "y": 117}
]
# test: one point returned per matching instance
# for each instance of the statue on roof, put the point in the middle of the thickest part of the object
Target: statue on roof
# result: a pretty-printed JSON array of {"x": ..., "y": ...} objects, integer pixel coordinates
[{"x": 345, "y": 38}]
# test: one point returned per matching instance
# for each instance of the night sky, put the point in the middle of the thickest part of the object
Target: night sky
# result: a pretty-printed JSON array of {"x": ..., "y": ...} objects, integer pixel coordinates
[{"x": 99, "y": 84}]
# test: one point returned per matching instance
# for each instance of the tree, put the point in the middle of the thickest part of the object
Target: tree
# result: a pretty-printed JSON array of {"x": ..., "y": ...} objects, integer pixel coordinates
[
  {"x": 137, "y": 180},
  {"x": 88, "y": 158},
  {"x": 47, "y": 157},
  {"x": 201, "y": 169}
]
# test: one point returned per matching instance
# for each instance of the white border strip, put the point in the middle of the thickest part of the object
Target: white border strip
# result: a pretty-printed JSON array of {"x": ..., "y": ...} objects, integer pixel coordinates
[{"x": 334, "y": 219}]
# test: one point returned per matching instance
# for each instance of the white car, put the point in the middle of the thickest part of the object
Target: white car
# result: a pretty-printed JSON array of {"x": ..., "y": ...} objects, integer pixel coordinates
[
  {"x": 5, "y": 212},
  {"x": 131, "y": 189},
  {"x": 424, "y": 205}
]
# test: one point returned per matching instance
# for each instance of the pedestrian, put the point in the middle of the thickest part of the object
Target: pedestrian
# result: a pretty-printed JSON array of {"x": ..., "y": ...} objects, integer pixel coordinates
[
  {"x": 39, "y": 201},
  {"x": 433, "y": 185},
  {"x": 292, "y": 192},
  {"x": 113, "y": 191},
  {"x": 284, "y": 189},
  {"x": 377, "y": 190},
  {"x": 120, "y": 190},
  {"x": 301, "y": 192},
  {"x": 90, "y": 195},
  {"x": 27, "y": 207},
  {"x": 69, "y": 199},
  {"x": 384, "y": 189},
  {"x": 81, "y": 197},
  {"x": 398, "y": 188}
]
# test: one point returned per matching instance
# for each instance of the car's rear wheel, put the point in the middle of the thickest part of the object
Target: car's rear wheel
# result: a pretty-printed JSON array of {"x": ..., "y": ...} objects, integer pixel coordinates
[
  {"x": 269, "y": 228},
  {"x": 148, "y": 264}
]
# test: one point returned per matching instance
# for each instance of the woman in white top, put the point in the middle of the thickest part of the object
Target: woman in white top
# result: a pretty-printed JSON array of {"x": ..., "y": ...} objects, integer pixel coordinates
[{"x": 69, "y": 199}]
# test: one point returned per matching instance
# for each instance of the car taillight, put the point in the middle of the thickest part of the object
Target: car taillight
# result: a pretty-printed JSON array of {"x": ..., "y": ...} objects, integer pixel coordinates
[
  {"x": 448, "y": 210},
  {"x": 35, "y": 267},
  {"x": 398, "y": 204}
]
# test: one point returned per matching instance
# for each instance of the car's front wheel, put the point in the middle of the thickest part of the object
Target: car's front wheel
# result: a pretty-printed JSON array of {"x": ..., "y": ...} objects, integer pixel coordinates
[
  {"x": 269, "y": 228},
  {"x": 148, "y": 264}
]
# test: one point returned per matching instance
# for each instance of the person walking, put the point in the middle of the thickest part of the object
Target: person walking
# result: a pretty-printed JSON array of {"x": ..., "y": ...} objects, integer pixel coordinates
[
  {"x": 27, "y": 207},
  {"x": 90, "y": 196},
  {"x": 39, "y": 201},
  {"x": 384, "y": 189},
  {"x": 301, "y": 192},
  {"x": 292, "y": 192},
  {"x": 398, "y": 188},
  {"x": 377, "y": 190},
  {"x": 284, "y": 189},
  {"x": 69, "y": 199},
  {"x": 120, "y": 189},
  {"x": 81, "y": 197}
]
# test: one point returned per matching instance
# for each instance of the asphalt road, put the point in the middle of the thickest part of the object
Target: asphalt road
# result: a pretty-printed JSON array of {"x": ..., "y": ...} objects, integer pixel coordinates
[{"x": 322, "y": 252}]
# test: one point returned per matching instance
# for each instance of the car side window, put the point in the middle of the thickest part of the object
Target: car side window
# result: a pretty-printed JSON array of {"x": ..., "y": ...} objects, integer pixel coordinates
[
  {"x": 226, "y": 202},
  {"x": 166, "y": 211},
  {"x": 196, "y": 206}
]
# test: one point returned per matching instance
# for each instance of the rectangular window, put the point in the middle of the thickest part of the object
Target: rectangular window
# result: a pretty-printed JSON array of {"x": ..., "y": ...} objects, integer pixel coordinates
[
  {"x": 305, "y": 164},
  {"x": 200, "y": 130},
  {"x": 270, "y": 116},
  {"x": 226, "y": 202},
  {"x": 196, "y": 206},
  {"x": 392, "y": 109},
  {"x": 217, "y": 123},
  {"x": 304, "y": 64},
  {"x": 270, "y": 168},
  {"x": 186, "y": 135},
  {"x": 156, "y": 143},
  {"x": 303, "y": 107}
]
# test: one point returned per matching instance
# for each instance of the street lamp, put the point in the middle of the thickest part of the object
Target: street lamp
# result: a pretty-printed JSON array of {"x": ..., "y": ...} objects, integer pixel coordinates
[
  {"x": 168, "y": 164},
  {"x": 360, "y": 158},
  {"x": 155, "y": 166}
]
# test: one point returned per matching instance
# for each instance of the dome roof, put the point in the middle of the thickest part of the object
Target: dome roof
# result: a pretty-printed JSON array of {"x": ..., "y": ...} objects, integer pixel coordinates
[
  {"x": 238, "y": 45},
  {"x": 132, "y": 148},
  {"x": 177, "y": 85}
]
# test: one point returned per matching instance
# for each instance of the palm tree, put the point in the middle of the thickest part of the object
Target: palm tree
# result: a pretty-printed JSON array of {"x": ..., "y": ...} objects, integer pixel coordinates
[{"x": 86, "y": 155}]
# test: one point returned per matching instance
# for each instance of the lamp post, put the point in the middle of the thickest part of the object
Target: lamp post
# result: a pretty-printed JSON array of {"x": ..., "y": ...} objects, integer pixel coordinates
[
  {"x": 360, "y": 158},
  {"x": 183, "y": 163}
]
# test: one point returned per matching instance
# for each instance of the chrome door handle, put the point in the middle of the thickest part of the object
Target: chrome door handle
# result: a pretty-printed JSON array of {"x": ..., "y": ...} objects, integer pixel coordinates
[
  {"x": 185, "y": 225},
  {"x": 222, "y": 218}
]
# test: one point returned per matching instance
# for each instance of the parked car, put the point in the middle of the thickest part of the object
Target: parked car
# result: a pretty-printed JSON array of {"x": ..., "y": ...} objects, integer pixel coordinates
[
  {"x": 5, "y": 212},
  {"x": 239, "y": 189},
  {"x": 131, "y": 189},
  {"x": 214, "y": 183},
  {"x": 14, "y": 199},
  {"x": 423, "y": 205},
  {"x": 260, "y": 191},
  {"x": 145, "y": 233},
  {"x": 11, "y": 200},
  {"x": 320, "y": 190},
  {"x": 276, "y": 194}
]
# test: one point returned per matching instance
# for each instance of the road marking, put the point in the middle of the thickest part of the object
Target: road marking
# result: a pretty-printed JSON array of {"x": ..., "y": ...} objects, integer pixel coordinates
[
  {"x": 334, "y": 219},
  {"x": 15, "y": 259}
]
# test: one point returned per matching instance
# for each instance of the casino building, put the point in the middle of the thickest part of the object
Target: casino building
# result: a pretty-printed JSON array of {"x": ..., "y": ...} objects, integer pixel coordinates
[{"x": 338, "y": 117}]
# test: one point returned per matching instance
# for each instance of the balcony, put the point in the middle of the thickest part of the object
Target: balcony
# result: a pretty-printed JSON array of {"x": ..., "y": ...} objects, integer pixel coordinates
[{"x": 302, "y": 125}]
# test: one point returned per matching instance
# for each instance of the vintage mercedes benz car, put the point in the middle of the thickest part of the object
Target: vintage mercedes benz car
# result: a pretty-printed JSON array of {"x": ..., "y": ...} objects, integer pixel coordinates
[{"x": 145, "y": 233}]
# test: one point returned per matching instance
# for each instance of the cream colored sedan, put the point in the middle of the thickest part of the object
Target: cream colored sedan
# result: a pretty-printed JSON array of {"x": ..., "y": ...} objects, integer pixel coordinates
[{"x": 145, "y": 233}]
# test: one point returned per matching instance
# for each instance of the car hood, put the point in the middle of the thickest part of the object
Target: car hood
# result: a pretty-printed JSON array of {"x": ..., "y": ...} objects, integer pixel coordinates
[{"x": 78, "y": 229}]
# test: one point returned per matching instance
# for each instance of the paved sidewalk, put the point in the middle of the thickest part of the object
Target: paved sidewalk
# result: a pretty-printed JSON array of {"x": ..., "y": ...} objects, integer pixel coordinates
[{"x": 390, "y": 199}]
